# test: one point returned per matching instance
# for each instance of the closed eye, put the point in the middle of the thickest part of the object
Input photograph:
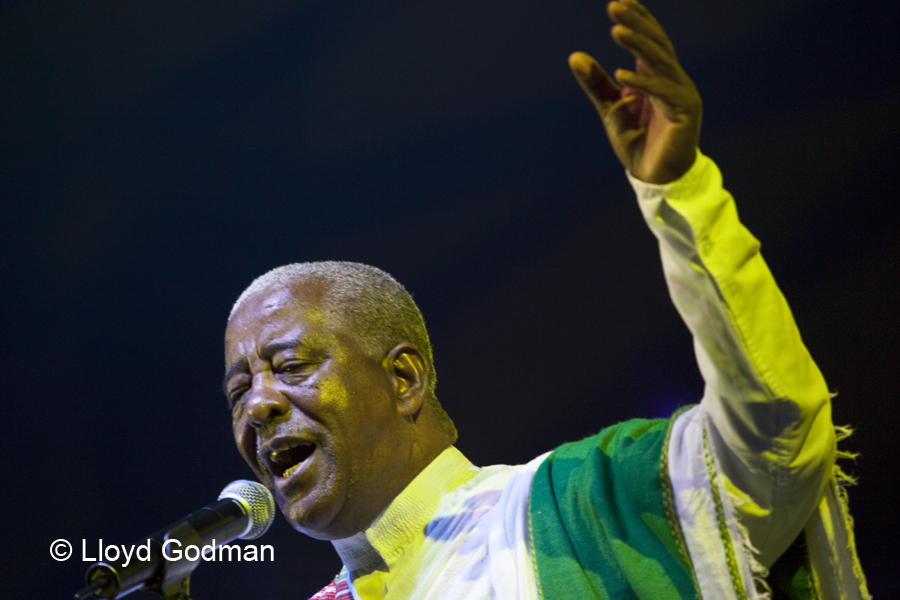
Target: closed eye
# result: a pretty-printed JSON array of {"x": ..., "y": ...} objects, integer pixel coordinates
[
  {"x": 297, "y": 368},
  {"x": 235, "y": 395}
]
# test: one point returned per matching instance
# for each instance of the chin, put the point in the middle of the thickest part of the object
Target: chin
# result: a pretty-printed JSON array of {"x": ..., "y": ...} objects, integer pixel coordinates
[{"x": 318, "y": 522}]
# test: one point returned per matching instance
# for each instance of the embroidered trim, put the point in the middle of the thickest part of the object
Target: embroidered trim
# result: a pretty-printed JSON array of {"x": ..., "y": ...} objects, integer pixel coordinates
[
  {"x": 758, "y": 572},
  {"x": 811, "y": 584},
  {"x": 537, "y": 576},
  {"x": 724, "y": 534},
  {"x": 669, "y": 503}
]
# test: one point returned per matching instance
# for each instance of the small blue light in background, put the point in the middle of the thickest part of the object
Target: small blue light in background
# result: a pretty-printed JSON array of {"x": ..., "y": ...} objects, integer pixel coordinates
[{"x": 664, "y": 406}]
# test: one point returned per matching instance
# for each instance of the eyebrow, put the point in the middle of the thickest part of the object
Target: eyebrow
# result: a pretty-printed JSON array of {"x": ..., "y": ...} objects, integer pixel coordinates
[{"x": 267, "y": 353}]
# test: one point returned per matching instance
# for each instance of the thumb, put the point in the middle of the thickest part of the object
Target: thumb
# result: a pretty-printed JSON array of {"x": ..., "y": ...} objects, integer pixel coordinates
[{"x": 599, "y": 87}]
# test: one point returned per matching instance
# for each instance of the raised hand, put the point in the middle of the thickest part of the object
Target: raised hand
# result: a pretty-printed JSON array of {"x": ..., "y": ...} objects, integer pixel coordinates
[{"x": 653, "y": 119}]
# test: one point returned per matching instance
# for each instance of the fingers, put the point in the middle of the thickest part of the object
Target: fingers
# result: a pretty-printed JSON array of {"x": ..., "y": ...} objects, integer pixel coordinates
[
  {"x": 637, "y": 31},
  {"x": 658, "y": 73},
  {"x": 607, "y": 97},
  {"x": 656, "y": 60},
  {"x": 633, "y": 15},
  {"x": 660, "y": 87}
]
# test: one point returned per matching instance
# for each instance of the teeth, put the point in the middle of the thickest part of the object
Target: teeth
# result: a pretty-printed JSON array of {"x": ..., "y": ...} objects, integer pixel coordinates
[
  {"x": 278, "y": 459},
  {"x": 273, "y": 454},
  {"x": 290, "y": 471}
]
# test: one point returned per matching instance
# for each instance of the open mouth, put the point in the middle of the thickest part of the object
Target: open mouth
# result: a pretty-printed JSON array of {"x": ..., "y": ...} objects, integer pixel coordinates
[{"x": 284, "y": 459}]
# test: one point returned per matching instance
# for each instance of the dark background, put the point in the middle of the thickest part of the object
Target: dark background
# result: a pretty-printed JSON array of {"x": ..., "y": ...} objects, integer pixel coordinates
[{"x": 157, "y": 156}]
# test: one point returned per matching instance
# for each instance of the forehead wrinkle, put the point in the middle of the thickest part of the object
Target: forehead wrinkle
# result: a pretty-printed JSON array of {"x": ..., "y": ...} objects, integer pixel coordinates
[{"x": 274, "y": 301}]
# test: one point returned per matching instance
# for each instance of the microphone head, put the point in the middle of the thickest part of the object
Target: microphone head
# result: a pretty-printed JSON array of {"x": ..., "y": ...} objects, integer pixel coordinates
[{"x": 258, "y": 503}]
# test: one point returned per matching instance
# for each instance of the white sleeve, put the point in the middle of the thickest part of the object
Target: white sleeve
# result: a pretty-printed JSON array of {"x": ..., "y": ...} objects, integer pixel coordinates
[{"x": 766, "y": 408}]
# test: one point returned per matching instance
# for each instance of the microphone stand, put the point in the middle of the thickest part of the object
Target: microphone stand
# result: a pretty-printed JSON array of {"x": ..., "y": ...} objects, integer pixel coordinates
[
  {"x": 171, "y": 579},
  {"x": 225, "y": 519},
  {"x": 172, "y": 583}
]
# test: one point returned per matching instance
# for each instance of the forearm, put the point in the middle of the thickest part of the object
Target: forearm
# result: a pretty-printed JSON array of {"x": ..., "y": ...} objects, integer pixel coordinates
[{"x": 767, "y": 403}]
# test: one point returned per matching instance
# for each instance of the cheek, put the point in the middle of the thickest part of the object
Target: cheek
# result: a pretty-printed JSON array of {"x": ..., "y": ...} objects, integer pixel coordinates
[
  {"x": 245, "y": 439},
  {"x": 333, "y": 395}
]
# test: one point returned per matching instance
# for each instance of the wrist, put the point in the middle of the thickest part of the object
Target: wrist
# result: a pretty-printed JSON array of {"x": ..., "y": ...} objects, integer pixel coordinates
[{"x": 670, "y": 177}]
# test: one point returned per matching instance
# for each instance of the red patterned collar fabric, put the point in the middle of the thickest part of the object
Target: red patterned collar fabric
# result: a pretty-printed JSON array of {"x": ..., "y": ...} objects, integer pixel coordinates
[{"x": 336, "y": 590}]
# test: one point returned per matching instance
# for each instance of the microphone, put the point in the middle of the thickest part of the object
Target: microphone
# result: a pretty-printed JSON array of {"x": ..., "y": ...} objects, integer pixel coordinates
[{"x": 245, "y": 510}]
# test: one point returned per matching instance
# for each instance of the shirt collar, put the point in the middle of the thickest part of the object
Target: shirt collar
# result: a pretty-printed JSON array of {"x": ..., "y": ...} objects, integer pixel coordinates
[{"x": 407, "y": 515}]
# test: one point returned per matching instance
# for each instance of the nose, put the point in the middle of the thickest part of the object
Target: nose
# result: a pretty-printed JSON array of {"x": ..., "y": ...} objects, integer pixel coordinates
[{"x": 266, "y": 404}]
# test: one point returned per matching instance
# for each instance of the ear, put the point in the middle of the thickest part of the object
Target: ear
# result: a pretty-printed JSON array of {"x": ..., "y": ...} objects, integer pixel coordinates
[{"x": 406, "y": 367}]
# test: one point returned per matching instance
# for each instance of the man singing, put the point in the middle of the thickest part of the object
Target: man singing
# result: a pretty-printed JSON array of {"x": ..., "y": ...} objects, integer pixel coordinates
[{"x": 331, "y": 380}]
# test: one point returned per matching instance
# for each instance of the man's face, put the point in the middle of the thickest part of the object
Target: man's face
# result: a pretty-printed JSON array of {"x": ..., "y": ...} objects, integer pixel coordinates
[{"x": 313, "y": 415}]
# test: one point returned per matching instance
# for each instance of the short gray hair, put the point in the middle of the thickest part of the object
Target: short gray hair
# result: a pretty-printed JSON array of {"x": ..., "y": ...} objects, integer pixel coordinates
[{"x": 371, "y": 303}]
